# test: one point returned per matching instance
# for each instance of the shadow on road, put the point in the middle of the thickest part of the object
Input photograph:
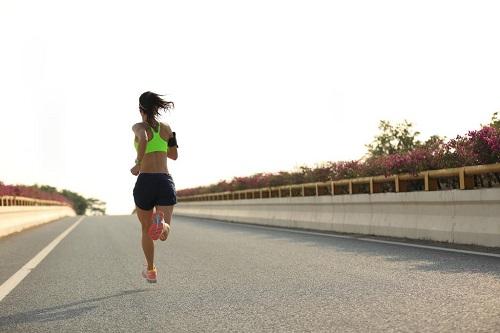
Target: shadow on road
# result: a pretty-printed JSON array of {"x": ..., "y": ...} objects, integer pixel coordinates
[
  {"x": 422, "y": 259},
  {"x": 60, "y": 312}
]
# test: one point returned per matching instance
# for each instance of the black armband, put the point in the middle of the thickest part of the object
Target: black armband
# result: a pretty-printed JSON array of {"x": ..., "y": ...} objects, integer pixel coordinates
[{"x": 173, "y": 141}]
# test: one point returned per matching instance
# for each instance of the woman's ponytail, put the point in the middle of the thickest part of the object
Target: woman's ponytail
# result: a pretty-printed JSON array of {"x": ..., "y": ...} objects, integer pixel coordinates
[{"x": 151, "y": 103}]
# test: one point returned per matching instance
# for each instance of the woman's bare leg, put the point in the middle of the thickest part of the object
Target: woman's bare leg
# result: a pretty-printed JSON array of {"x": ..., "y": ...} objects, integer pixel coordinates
[{"x": 147, "y": 243}]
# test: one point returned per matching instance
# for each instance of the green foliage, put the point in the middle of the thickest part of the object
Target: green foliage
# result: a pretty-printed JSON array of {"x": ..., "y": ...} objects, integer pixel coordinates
[
  {"x": 495, "y": 122},
  {"x": 47, "y": 188},
  {"x": 399, "y": 138},
  {"x": 96, "y": 206},
  {"x": 80, "y": 204}
]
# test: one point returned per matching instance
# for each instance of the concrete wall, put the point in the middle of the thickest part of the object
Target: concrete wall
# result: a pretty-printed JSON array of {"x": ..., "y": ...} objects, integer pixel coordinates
[
  {"x": 456, "y": 216},
  {"x": 17, "y": 218}
]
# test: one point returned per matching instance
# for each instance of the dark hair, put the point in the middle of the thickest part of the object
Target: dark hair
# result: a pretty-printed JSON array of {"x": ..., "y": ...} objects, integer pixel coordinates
[{"x": 150, "y": 103}]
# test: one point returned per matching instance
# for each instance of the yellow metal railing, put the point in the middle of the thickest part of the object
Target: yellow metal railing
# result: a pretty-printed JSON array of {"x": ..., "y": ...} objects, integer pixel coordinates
[
  {"x": 23, "y": 201},
  {"x": 352, "y": 186}
]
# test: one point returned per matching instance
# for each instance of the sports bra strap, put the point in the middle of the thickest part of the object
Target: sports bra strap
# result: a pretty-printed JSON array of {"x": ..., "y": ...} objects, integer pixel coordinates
[{"x": 153, "y": 129}]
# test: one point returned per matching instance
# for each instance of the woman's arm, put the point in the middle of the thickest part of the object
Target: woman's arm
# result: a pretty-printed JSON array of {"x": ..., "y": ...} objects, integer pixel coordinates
[
  {"x": 140, "y": 133},
  {"x": 172, "y": 151}
]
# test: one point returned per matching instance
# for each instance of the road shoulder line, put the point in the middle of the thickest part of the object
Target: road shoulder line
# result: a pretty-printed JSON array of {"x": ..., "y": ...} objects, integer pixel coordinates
[{"x": 17, "y": 277}]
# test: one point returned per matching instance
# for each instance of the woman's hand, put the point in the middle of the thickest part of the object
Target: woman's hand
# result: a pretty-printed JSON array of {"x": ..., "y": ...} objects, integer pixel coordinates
[{"x": 135, "y": 169}]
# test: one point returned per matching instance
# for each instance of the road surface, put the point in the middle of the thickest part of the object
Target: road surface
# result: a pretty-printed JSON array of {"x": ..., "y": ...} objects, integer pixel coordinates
[{"x": 223, "y": 277}]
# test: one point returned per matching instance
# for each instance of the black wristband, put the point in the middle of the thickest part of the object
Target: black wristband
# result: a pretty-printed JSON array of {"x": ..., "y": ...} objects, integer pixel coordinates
[{"x": 173, "y": 141}]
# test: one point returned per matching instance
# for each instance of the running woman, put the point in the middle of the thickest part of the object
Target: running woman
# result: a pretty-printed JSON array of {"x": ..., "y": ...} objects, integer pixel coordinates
[{"x": 154, "y": 191}]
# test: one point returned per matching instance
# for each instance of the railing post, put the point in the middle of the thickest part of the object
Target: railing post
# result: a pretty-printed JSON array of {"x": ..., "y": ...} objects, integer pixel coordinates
[
  {"x": 333, "y": 187},
  {"x": 371, "y": 185},
  {"x": 290, "y": 190},
  {"x": 468, "y": 181},
  {"x": 426, "y": 181},
  {"x": 303, "y": 191},
  {"x": 461, "y": 177},
  {"x": 350, "y": 186},
  {"x": 317, "y": 194}
]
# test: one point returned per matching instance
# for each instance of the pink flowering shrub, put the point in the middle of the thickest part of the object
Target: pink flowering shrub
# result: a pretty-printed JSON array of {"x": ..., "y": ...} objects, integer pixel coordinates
[
  {"x": 475, "y": 148},
  {"x": 30, "y": 192},
  {"x": 485, "y": 144}
]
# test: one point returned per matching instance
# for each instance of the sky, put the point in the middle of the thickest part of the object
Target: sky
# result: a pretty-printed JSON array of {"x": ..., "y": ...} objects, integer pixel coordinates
[{"x": 258, "y": 86}]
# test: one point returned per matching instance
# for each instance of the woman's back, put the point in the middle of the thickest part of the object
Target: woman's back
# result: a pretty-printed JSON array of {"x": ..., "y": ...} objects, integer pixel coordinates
[{"x": 155, "y": 157}]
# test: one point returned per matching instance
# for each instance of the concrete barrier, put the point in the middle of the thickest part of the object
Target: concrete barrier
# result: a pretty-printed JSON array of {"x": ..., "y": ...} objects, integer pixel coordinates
[
  {"x": 455, "y": 216},
  {"x": 16, "y": 218}
]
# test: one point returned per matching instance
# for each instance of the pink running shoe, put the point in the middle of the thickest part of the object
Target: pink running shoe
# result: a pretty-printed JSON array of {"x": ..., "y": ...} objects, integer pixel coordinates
[
  {"x": 149, "y": 275},
  {"x": 156, "y": 228}
]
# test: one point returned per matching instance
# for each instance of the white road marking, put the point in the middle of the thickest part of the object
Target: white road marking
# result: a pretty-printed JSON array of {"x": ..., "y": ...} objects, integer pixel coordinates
[
  {"x": 487, "y": 254},
  {"x": 15, "y": 279}
]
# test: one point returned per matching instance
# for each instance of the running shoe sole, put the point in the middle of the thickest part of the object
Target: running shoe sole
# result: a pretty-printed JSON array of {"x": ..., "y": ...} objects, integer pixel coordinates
[
  {"x": 166, "y": 231},
  {"x": 156, "y": 227}
]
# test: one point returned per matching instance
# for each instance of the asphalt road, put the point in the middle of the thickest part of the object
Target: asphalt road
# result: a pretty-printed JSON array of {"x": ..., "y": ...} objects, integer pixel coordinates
[{"x": 223, "y": 277}]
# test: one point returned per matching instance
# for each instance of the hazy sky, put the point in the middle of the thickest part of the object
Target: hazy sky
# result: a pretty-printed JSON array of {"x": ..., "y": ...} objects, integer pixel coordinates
[{"x": 259, "y": 86}]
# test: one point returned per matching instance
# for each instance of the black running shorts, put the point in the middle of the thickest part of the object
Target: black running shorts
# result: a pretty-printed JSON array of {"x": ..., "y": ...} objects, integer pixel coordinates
[{"x": 154, "y": 189}]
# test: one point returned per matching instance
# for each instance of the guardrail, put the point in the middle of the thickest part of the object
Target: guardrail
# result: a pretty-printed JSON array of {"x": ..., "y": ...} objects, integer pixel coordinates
[
  {"x": 24, "y": 201},
  {"x": 376, "y": 184}
]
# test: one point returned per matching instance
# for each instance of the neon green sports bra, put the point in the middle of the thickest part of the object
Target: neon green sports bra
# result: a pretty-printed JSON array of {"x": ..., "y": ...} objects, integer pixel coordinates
[{"x": 155, "y": 144}]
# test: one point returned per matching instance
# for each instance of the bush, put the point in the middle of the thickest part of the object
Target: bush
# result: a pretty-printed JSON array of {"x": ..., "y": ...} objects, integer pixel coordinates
[
  {"x": 46, "y": 192},
  {"x": 31, "y": 192},
  {"x": 407, "y": 155}
]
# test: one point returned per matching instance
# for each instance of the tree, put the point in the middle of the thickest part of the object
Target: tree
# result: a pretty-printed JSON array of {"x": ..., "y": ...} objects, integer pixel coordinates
[
  {"x": 399, "y": 138},
  {"x": 80, "y": 204},
  {"x": 96, "y": 206},
  {"x": 495, "y": 122}
]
